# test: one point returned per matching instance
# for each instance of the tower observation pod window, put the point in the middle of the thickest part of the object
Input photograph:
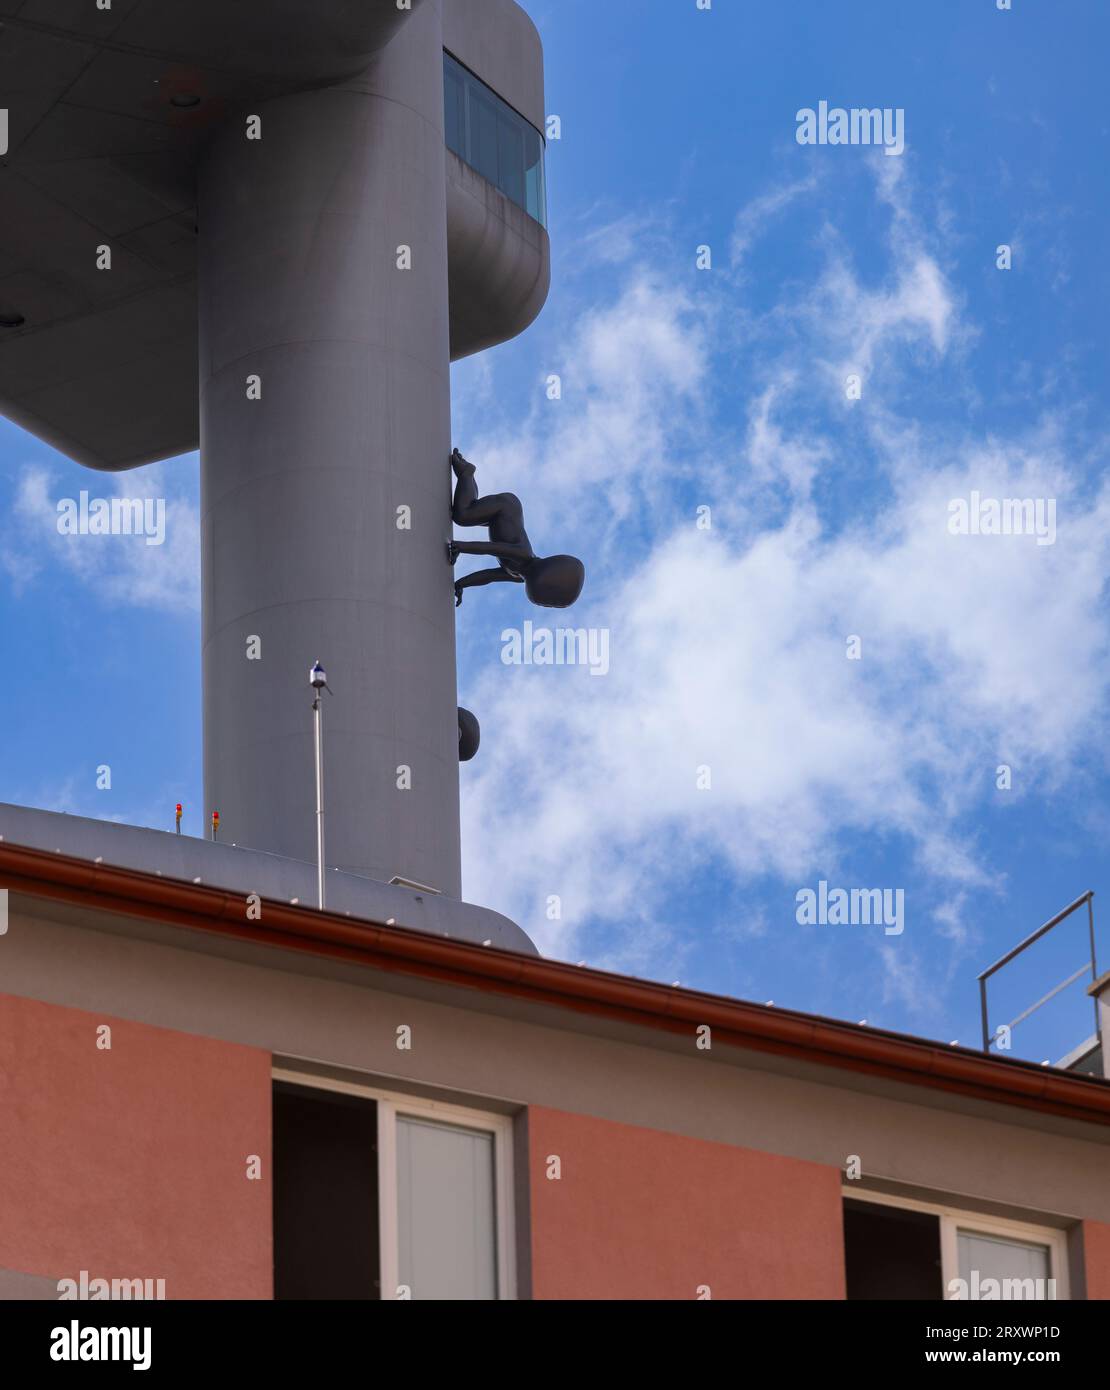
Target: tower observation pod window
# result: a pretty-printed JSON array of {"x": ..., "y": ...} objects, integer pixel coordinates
[{"x": 486, "y": 133}]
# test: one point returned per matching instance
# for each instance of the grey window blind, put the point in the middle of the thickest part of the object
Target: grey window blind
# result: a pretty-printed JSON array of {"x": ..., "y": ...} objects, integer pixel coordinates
[
  {"x": 996, "y": 1258},
  {"x": 446, "y": 1219}
]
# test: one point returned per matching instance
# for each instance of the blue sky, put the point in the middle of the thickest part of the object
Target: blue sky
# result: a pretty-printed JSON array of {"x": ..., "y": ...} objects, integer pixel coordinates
[{"x": 725, "y": 388}]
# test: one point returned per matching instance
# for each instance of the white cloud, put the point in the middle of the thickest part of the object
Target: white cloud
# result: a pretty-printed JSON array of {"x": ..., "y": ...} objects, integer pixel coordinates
[
  {"x": 728, "y": 646},
  {"x": 120, "y": 569},
  {"x": 630, "y": 377},
  {"x": 864, "y": 327}
]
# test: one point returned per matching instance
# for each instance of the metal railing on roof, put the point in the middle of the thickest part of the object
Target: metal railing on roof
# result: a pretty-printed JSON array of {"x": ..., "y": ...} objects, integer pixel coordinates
[{"x": 1091, "y": 965}]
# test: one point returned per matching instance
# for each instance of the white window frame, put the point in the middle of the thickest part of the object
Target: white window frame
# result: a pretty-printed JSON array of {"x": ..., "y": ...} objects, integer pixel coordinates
[
  {"x": 390, "y": 1105},
  {"x": 956, "y": 1219}
]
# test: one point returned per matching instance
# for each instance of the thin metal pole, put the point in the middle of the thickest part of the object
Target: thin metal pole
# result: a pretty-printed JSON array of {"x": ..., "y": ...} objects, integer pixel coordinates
[
  {"x": 319, "y": 723},
  {"x": 983, "y": 1012},
  {"x": 1094, "y": 966}
]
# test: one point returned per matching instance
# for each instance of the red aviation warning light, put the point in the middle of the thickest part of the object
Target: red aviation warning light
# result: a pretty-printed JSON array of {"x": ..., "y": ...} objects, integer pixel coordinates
[
  {"x": 215, "y": 824},
  {"x": 177, "y": 817}
]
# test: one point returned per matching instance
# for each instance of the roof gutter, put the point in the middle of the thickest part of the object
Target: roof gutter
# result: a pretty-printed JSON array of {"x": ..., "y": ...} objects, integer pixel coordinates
[{"x": 845, "y": 1046}]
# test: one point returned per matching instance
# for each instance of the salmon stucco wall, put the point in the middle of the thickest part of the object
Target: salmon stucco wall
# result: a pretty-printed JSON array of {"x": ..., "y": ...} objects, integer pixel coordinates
[
  {"x": 642, "y": 1214},
  {"x": 131, "y": 1162},
  {"x": 1096, "y": 1258}
]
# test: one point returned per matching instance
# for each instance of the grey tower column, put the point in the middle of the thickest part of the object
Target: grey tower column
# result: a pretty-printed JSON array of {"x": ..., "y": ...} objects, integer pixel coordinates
[{"x": 302, "y": 490}]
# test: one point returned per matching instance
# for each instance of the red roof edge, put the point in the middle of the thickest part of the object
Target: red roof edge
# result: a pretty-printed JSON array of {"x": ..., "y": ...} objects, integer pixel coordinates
[{"x": 844, "y": 1046}]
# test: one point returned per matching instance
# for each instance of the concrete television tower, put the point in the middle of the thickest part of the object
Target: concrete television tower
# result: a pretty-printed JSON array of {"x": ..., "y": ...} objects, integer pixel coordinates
[{"x": 268, "y": 228}]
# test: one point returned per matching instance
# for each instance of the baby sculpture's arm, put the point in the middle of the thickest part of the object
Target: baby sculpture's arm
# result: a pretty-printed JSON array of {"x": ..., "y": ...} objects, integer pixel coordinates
[{"x": 482, "y": 577}]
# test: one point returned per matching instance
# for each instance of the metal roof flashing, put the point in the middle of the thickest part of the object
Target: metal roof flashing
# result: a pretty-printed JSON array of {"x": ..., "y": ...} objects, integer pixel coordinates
[{"x": 232, "y": 873}]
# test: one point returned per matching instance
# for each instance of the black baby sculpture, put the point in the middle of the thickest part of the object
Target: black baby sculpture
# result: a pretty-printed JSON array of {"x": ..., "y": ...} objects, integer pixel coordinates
[{"x": 554, "y": 582}]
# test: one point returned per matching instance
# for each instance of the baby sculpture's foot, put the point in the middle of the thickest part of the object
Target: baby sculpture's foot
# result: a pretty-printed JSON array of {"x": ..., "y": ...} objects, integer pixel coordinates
[
  {"x": 452, "y": 552},
  {"x": 460, "y": 465}
]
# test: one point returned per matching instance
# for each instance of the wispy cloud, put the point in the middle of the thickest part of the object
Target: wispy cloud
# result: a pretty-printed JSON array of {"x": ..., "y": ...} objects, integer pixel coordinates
[{"x": 754, "y": 219}]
